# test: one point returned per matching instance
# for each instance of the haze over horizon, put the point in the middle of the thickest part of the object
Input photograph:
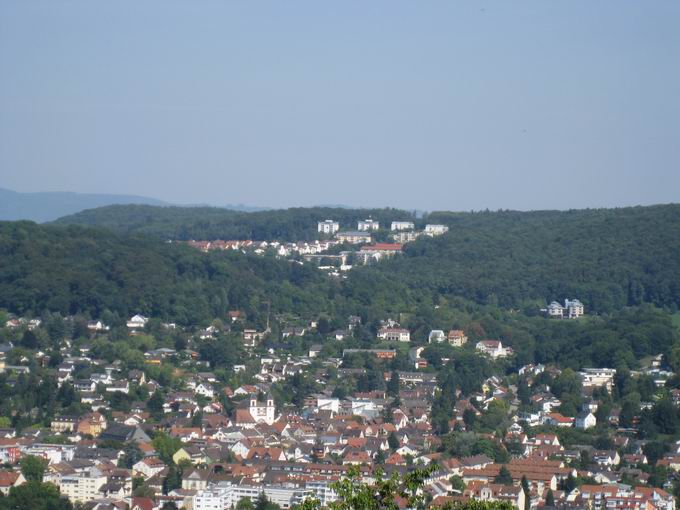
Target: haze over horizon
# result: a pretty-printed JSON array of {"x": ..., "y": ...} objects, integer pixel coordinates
[{"x": 523, "y": 105}]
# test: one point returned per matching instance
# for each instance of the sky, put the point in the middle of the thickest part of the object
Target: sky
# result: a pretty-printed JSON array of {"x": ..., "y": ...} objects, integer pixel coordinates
[{"x": 419, "y": 105}]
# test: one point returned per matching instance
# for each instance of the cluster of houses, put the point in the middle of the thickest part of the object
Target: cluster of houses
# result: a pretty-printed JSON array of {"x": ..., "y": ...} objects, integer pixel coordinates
[{"x": 236, "y": 441}]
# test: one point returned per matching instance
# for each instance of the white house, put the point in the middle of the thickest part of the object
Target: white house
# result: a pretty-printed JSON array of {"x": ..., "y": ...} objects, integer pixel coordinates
[
  {"x": 493, "y": 348},
  {"x": 436, "y": 336},
  {"x": 585, "y": 420},
  {"x": 137, "y": 322},
  {"x": 328, "y": 227},
  {"x": 394, "y": 334},
  {"x": 574, "y": 308}
]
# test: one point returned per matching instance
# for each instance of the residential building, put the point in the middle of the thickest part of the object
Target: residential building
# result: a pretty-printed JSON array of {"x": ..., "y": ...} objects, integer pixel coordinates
[
  {"x": 402, "y": 225},
  {"x": 457, "y": 338},
  {"x": 436, "y": 336},
  {"x": 368, "y": 224},
  {"x": 394, "y": 334},
  {"x": 436, "y": 230},
  {"x": 493, "y": 348},
  {"x": 598, "y": 378},
  {"x": 353, "y": 237},
  {"x": 83, "y": 486},
  {"x": 328, "y": 227}
]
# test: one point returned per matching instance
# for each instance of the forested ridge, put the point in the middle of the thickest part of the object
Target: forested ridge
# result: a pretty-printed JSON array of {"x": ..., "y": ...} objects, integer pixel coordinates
[
  {"x": 208, "y": 223},
  {"x": 79, "y": 269},
  {"x": 607, "y": 258}
]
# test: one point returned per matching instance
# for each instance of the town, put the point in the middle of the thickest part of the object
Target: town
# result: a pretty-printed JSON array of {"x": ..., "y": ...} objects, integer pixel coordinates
[
  {"x": 219, "y": 417},
  {"x": 336, "y": 250}
]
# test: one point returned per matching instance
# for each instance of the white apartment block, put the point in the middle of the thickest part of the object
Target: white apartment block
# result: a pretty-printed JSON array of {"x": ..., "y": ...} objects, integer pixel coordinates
[
  {"x": 328, "y": 227},
  {"x": 436, "y": 230},
  {"x": 224, "y": 495},
  {"x": 402, "y": 225},
  {"x": 405, "y": 236},
  {"x": 572, "y": 309},
  {"x": 353, "y": 237},
  {"x": 367, "y": 225},
  {"x": 82, "y": 487}
]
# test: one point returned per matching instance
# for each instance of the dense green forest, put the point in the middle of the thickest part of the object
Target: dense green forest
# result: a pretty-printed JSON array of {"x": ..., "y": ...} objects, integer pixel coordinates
[
  {"x": 207, "y": 223},
  {"x": 607, "y": 258},
  {"x": 77, "y": 269}
]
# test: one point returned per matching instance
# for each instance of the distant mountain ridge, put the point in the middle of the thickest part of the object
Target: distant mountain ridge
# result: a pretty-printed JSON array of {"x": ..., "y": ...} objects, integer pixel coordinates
[{"x": 50, "y": 205}]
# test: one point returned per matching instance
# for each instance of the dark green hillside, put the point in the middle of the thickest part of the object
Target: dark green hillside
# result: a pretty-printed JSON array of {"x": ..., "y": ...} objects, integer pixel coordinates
[
  {"x": 608, "y": 258},
  {"x": 184, "y": 223},
  {"x": 77, "y": 269}
]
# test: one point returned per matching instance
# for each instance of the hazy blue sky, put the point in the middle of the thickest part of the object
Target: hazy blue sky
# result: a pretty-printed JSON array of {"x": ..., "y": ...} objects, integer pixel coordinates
[{"x": 430, "y": 105}]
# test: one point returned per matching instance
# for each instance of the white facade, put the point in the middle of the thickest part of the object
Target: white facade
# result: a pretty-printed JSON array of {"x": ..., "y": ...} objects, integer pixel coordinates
[
  {"x": 493, "y": 348},
  {"x": 598, "y": 378},
  {"x": 82, "y": 487},
  {"x": 436, "y": 336},
  {"x": 223, "y": 496},
  {"x": 436, "y": 230},
  {"x": 353, "y": 237},
  {"x": 263, "y": 411},
  {"x": 328, "y": 227},
  {"x": 394, "y": 334},
  {"x": 402, "y": 225},
  {"x": 368, "y": 224},
  {"x": 574, "y": 308},
  {"x": 138, "y": 321},
  {"x": 405, "y": 236}
]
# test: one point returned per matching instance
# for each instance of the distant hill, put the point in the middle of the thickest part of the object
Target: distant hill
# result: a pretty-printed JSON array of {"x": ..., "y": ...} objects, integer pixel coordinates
[
  {"x": 48, "y": 206},
  {"x": 183, "y": 223}
]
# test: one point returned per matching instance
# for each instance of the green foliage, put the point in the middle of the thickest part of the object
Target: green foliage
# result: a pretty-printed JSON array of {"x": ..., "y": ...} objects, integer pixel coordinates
[
  {"x": 75, "y": 269},
  {"x": 503, "y": 477},
  {"x": 33, "y": 468},
  {"x": 295, "y": 224},
  {"x": 36, "y": 496},
  {"x": 166, "y": 446}
]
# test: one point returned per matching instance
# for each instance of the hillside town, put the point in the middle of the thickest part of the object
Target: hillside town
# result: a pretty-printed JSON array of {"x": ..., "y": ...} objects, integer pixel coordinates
[
  {"x": 336, "y": 250},
  {"x": 178, "y": 422}
]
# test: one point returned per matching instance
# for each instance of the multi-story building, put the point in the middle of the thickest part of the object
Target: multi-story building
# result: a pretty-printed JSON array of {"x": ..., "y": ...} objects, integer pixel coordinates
[
  {"x": 457, "y": 338},
  {"x": 353, "y": 237},
  {"x": 328, "y": 227},
  {"x": 598, "y": 378},
  {"x": 405, "y": 236},
  {"x": 394, "y": 334},
  {"x": 82, "y": 486},
  {"x": 402, "y": 225},
  {"x": 367, "y": 225},
  {"x": 436, "y": 230}
]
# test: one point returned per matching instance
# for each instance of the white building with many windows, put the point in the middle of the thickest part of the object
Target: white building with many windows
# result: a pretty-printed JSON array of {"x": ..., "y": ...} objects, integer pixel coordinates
[
  {"x": 367, "y": 225},
  {"x": 436, "y": 230},
  {"x": 402, "y": 225},
  {"x": 82, "y": 486},
  {"x": 328, "y": 227}
]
